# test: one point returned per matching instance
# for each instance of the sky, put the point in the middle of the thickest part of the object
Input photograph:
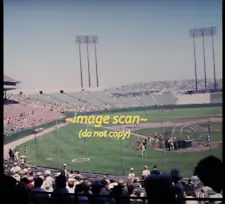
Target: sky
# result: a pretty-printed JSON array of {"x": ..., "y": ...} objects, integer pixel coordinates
[{"x": 139, "y": 41}]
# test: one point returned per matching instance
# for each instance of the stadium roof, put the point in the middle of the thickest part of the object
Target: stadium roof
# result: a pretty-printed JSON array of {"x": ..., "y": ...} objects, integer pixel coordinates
[{"x": 10, "y": 81}]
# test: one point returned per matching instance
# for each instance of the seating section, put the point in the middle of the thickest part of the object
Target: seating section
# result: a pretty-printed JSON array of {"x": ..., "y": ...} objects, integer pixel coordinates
[
  {"x": 165, "y": 99},
  {"x": 216, "y": 97}
]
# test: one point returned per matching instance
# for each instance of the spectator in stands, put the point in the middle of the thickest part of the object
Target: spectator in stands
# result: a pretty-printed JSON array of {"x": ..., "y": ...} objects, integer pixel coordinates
[
  {"x": 38, "y": 195},
  {"x": 155, "y": 171},
  {"x": 159, "y": 189},
  {"x": 9, "y": 189},
  {"x": 22, "y": 193},
  {"x": 105, "y": 191},
  {"x": 27, "y": 182},
  {"x": 210, "y": 171},
  {"x": 175, "y": 175},
  {"x": 79, "y": 190},
  {"x": 145, "y": 172},
  {"x": 190, "y": 195},
  {"x": 65, "y": 170},
  {"x": 131, "y": 175},
  {"x": 60, "y": 191},
  {"x": 120, "y": 192},
  {"x": 70, "y": 186},
  {"x": 49, "y": 181},
  {"x": 78, "y": 176},
  {"x": 15, "y": 169}
]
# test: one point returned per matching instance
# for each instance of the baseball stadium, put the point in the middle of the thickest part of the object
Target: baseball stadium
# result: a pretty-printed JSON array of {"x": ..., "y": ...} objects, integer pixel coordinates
[{"x": 179, "y": 129}]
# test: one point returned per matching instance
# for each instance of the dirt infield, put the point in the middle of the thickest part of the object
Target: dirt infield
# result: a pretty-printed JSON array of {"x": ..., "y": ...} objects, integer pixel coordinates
[{"x": 196, "y": 147}]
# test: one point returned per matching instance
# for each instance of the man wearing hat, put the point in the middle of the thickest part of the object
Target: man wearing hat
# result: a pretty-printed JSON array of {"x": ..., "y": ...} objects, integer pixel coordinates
[
  {"x": 131, "y": 175},
  {"x": 178, "y": 186},
  {"x": 48, "y": 182}
]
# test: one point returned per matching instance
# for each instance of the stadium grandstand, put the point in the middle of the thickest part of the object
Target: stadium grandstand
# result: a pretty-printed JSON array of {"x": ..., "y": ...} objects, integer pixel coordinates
[
  {"x": 9, "y": 84},
  {"x": 26, "y": 116}
]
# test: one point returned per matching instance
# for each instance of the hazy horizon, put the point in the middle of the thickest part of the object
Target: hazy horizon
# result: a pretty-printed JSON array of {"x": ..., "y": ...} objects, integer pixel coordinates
[{"x": 139, "y": 41}]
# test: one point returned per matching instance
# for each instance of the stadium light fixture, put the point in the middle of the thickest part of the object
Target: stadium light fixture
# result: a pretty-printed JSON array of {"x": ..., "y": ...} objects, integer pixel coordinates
[
  {"x": 88, "y": 39},
  {"x": 192, "y": 34},
  {"x": 213, "y": 33},
  {"x": 204, "y": 32}
]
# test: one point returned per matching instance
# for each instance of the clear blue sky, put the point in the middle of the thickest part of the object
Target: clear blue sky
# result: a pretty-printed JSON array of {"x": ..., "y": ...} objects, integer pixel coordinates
[{"x": 139, "y": 41}]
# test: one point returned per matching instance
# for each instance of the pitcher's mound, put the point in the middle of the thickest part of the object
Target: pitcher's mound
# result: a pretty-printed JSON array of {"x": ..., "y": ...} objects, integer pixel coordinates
[{"x": 81, "y": 160}]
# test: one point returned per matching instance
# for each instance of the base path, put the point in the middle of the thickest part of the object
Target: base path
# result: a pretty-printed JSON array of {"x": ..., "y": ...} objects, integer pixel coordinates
[{"x": 18, "y": 142}]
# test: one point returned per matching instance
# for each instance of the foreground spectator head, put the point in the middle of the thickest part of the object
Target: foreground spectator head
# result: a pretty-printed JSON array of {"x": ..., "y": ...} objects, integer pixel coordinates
[
  {"x": 159, "y": 188},
  {"x": 60, "y": 181},
  {"x": 38, "y": 182},
  {"x": 175, "y": 175},
  {"x": 155, "y": 170},
  {"x": 210, "y": 171}
]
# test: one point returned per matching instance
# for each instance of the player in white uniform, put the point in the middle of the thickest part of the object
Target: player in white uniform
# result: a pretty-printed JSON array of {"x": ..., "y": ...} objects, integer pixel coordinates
[{"x": 143, "y": 150}]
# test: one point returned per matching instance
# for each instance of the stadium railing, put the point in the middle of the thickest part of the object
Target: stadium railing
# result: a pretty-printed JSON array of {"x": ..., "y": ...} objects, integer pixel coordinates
[{"x": 115, "y": 197}]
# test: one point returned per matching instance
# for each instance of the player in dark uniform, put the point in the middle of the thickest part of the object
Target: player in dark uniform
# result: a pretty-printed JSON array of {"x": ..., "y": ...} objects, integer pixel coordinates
[{"x": 145, "y": 143}]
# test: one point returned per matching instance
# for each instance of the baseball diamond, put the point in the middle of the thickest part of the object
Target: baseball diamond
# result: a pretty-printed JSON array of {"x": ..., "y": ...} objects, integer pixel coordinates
[{"x": 175, "y": 124}]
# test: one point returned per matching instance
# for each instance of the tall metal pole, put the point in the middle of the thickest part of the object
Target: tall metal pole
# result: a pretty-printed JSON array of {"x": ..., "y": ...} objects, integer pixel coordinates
[
  {"x": 196, "y": 79},
  {"x": 193, "y": 35},
  {"x": 203, "y": 46},
  {"x": 86, "y": 149},
  {"x": 209, "y": 132},
  {"x": 96, "y": 60},
  {"x": 89, "y": 74},
  {"x": 57, "y": 144},
  {"x": 35, "y": 143},
  {"x": 164, "y": 147},
  {"x": 81, "y": 72},
  {"x": 121, "y": 145},
  {"x": 214, "y": 66}
]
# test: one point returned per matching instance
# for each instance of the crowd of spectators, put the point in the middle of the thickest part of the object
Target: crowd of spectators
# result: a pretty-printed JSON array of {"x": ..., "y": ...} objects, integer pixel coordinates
[
  {"x": 20, "y": 115},
  {"x": 28, "y": 184}
]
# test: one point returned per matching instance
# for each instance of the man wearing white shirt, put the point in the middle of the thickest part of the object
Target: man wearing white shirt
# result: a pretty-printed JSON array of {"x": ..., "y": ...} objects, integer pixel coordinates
[
  {"x": 145, "y": 172},
  {"x": 48, "y": 182},
  {"x": 131, "y": 175},
  {"x": 15, "y": 169}
]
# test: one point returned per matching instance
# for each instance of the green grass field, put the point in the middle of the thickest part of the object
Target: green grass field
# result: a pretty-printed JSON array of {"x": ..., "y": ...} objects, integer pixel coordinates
[
  {"x": 105, "y": 153},
  {"x": 176, "y": 114}
]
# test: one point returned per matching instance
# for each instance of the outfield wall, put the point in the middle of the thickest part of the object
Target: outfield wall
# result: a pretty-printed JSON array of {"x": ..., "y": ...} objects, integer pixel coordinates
[
  {"x": 28, "y": 132},
  {"x": 165, "y": 107},
  {"x": 193, "y": 99},
  {"x": 216, "y": 97}
]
